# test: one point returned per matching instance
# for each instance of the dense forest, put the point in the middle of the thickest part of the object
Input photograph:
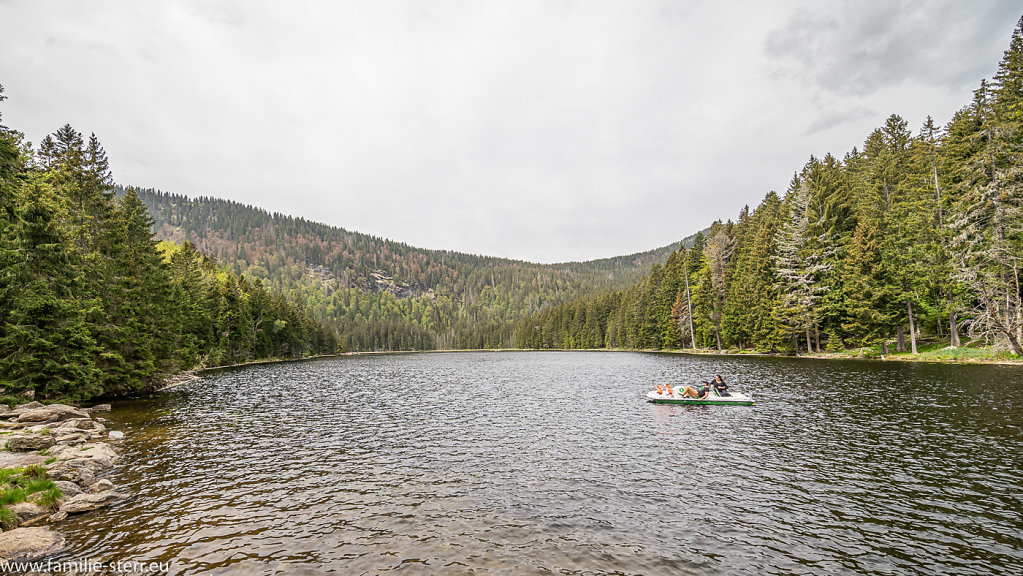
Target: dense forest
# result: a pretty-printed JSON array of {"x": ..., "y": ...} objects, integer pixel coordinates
[
  {"x": 912, "y": 234},
  {"x": 91, "y": 305},
  {"x": 385, "y": 295},
  {"x": 105, "y": 290}
]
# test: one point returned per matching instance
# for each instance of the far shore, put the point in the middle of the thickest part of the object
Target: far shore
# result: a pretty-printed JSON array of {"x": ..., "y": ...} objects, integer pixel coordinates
[{"x": 939, "y": 356}]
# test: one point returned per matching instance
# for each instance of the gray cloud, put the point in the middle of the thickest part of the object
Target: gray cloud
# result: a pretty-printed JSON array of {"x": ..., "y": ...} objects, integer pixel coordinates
[
  {"x": 526, "y": 128},
  {"x": 833, "y": 118},
  {"x": 862, "y": 47}
]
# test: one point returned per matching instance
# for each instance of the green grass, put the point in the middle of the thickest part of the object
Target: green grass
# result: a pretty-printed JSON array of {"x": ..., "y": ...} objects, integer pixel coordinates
[
  {"x": 12, "y": 495},
  {"x": 17, "y": 484},
  {"x": 7, "y": 473},
  {"x": 34, "y": 471},
  {"x": 50, "y": 460},
  {"x": 50, "y": 497},
  {"x": 8, "y": 521},
  {"x": 38, "y": 485}
]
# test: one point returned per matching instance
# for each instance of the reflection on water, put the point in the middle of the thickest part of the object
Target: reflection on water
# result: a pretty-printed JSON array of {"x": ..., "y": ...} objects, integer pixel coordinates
[{"x": 532, "y": 463}]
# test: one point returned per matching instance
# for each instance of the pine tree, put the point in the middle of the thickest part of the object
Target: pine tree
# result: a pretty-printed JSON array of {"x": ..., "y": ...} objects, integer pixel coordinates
[{"x": 48, "y": 345}]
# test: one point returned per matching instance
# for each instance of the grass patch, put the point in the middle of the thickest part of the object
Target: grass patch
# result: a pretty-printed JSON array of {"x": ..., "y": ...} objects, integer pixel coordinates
[
  {"x": 17, "y": 484},
  {"x": 8, "y": 521},
  {"x": 7, "y": 473},
  {"x": 45, "y": 431},
  {"x": 49, "y": 460},
  {"x": 38, "y": 485},
  {"x": 34, "y": 471},
  {"x": 50, "y": 497},
  {"x": 12, "y": 495}
]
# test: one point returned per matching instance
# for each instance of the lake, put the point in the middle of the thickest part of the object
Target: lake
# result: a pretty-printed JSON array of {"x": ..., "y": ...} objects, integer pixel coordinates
[{"x": 553, "y": 462}]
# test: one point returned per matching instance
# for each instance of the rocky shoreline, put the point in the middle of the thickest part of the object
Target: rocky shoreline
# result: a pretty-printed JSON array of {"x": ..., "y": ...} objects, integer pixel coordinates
[{"x": 72, "y": 445}]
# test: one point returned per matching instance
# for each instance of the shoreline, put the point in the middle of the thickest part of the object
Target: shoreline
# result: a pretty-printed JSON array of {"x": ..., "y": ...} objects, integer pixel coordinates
[{"x": 187, "y": 376}]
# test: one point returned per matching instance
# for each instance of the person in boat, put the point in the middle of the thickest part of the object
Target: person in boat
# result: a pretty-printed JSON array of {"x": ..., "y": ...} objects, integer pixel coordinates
[
  {"x": 701, "y": 392},
  {"x": 720, "y": 386}
]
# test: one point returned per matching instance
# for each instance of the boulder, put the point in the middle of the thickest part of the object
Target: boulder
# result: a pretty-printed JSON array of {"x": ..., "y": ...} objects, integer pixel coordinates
[
  {"x": 51, "y": 413},
  {"x": 101, "y": 485},
  {"x": 37, "y": 415},
  {"x": 116, "y": 435},
  {"x": 63, "y": 451},
  {"x": 26, "y": 512},
  {"x": 101, "y": 408},
  {"x": 30, "y": 442},
  {"x": 76, "y": 471},
  {"x": 100, "y": 453},
  {"x": 76, "y": 437},
  {"x": 68, "y": 489},
  {"x": 84, "y": 424},
  {"x": 19, "y": 459},
  {"x": 30, "y": 543},
  {"x": 4, "y": 409},
  {"x": 86, "y": 502},
  {"x": 29, "y": 406}
]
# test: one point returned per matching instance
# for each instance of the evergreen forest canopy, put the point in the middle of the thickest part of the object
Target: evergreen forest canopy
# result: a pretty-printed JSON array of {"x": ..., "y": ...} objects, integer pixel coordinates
[
  {"x": 385, "y": 295},
  {"x": 912, "y": 234},
  {"x": 91, "y": 305}
]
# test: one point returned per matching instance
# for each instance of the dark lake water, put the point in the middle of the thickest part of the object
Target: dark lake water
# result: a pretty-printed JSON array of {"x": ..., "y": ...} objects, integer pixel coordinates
[{"x": 554, "y": 463}]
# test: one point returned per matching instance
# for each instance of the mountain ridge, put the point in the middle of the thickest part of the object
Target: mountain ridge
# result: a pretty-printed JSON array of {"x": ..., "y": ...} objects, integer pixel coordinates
[{"x": 436, "y": 298}]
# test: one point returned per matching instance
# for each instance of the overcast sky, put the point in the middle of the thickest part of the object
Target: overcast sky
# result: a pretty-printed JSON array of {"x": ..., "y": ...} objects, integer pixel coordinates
[{"x": 539, "y": 130}]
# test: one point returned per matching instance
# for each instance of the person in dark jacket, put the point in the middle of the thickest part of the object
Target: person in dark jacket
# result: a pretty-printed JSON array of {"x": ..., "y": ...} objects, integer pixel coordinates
[{"x": 720, "y": 386}]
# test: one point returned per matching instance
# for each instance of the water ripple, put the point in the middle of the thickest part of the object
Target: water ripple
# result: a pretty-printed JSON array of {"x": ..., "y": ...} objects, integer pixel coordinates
[{"x": 540, "y": 463}]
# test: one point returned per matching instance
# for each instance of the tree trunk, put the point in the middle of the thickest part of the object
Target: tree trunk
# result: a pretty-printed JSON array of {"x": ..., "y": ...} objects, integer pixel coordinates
[
  {"x": 900, "y": 339},
  {"x": 953, "y": 328},
  {"x": 809, "y": 342},
  {"x": 689, "y": 303},
  {"x": 884, "y": 348},
  {"x": 912, "y": 327},
  {"x": 717, "y": 334},
  {"x": 817, "y": 337}
]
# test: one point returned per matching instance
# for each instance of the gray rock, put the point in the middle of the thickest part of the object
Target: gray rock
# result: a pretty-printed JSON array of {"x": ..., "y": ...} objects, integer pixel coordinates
[
  {"x": 84, "y": 424},
  {"x": 57, "y": 516},
  {"x": 65, "y": 412},
  {"x": 4, "y": 409},
  {"x": 100, "y": 453},
  {"x": 101, "y": 485},
  {"x": 116, "y": 435},
  {"x": 68, "y": 489},
  {"x": 86, "y": 502},
  {"x": 30, "y": 543},
  {"x": 71, "y": 437},
  {"x": 76, "y": 471},
  {"x": 37, "y": 415},
  {"x": 30, "y": 443},
  {"x": 19, "y": 459},
  {"x": 29, "y": 406},
  {"x": 26, "y": 512},
  {"x": 51, "y": 413},
  {"x": 101, "y": 408}
]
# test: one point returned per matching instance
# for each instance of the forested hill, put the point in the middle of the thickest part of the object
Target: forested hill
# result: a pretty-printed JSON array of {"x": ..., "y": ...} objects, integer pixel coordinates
[
  {"x": 382, "y": 294},
  {"x": 909, "y": 236}
]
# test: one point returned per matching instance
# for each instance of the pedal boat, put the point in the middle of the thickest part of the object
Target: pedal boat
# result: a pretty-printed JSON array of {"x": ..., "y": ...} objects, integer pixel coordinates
[{"x": 713, "y": 399}]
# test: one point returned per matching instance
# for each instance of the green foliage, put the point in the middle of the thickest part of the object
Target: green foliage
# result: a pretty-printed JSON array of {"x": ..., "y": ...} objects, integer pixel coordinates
[
  {"x": 379, "y": 294},
  {"x": 8, "y": 521},
  {"x": 91, "y": 306},
  {"x": 910, "y": 234},
  {"x": 12, "y": 495},
  {"x": 50, "y": 497}
]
